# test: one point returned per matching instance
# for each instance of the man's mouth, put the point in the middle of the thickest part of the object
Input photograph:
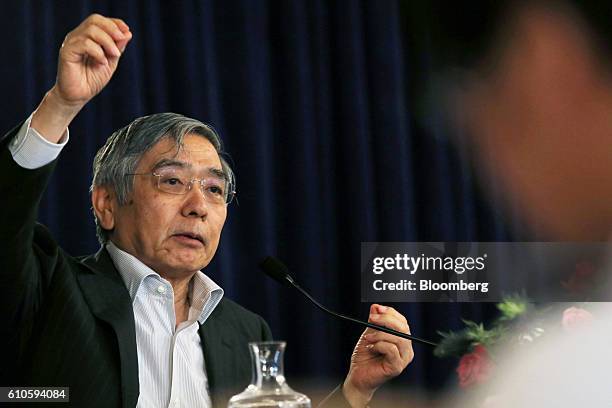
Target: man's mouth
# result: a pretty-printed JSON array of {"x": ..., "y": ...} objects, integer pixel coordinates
[{"x": 190, "y": 238}]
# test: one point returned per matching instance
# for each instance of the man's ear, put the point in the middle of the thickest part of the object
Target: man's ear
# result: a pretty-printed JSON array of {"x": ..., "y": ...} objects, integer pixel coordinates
[{"x": 104, "y": 204}]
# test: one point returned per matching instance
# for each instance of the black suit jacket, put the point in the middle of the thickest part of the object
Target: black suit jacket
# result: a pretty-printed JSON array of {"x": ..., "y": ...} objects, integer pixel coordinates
[{"x": 69, "y": 321}]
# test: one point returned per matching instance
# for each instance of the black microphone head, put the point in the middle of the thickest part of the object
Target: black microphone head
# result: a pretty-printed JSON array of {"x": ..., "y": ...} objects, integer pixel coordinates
[{"x": 276, "y": 270}]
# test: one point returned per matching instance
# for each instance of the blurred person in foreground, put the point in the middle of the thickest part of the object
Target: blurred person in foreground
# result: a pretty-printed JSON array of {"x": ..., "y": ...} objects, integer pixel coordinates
[
  {"x": 534, "y": 103},
  {"x": 138, "y": 323}
]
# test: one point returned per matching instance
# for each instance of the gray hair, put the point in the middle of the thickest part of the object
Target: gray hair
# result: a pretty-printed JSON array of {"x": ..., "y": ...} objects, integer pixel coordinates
[{"x": 123, "y": 150}]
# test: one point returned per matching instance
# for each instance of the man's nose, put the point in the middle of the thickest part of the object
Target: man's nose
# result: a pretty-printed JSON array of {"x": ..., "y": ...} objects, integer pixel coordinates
[{"x": 195, "y": 204}]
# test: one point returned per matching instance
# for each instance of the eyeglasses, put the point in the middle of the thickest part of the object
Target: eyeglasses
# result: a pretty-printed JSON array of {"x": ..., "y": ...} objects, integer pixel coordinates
[{"x": 216, "y": 190}]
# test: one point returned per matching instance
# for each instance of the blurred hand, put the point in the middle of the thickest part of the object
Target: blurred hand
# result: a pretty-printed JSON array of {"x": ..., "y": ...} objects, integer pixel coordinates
[
  {"x": 378, "y": 356},
  {"x": 88, "y": 59}
]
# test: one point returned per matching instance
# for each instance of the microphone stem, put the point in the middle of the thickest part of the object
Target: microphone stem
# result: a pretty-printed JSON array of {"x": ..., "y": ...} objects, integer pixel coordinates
[{"x": 368, "y": 324}]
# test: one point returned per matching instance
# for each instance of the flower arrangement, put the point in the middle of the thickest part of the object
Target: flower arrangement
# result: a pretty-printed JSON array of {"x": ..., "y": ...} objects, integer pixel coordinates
[{"x": 519, "y": 323}]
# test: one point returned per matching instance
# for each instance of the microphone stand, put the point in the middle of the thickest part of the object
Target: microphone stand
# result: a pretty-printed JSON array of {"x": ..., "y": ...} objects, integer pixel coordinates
[{"x": 279, "y": 272}]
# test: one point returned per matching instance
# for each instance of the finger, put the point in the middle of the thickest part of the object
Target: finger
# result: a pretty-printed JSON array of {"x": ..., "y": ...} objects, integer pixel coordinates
[
  {"x": 74, "y": 48},
  {"x": 381, "y": 309},
  {"x": 388, "y": 311},
  {"x": 378, "y": 336},
  {"x": 121, "y": 24},
  {"x": 362, "y": 342},
  {"x": 376, "y": 310},
  {"x": 104, "y": 40},
  {"x": 403, "y": 345},
  {"x": 393, "y": 319},
  {"x": 106, "y": 24},
  {"x": 385, "y": 348},
  {"x": 127, "y": 34},
  {"x": 89, "y": 48},
  {"x": 390, "y": 321},
  {"x": 391, "y": 355},
  {"x": 123, "y": 43}
]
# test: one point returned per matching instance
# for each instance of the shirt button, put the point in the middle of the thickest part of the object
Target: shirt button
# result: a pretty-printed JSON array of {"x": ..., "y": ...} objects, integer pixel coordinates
[{"x": 161, "y": 289}]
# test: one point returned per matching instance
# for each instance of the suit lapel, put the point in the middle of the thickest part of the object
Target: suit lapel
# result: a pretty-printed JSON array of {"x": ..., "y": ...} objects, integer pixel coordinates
[
  {"x": 221, "y": 363},
  {"x": 110, "y": 301}
]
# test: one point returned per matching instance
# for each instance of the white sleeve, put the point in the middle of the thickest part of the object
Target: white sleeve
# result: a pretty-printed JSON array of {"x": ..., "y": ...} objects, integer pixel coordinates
[{"x": 30, "y": 150}]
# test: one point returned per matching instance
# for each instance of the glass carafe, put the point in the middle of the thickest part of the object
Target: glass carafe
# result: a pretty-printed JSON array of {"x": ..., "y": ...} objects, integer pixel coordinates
[{"x": 268, "y": 388}]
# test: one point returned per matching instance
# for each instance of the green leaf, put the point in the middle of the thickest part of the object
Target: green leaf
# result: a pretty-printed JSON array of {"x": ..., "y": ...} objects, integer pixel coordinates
[
  {"x": 512, "y": 307},
  {"x": 453, "y": 344},
  {"x": 477, "y": 334}
]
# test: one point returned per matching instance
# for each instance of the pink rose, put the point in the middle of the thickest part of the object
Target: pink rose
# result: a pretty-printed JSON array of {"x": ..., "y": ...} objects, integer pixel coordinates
[
  {"x": 575, "y": 317},
  {"x": 475, "y": 367}
]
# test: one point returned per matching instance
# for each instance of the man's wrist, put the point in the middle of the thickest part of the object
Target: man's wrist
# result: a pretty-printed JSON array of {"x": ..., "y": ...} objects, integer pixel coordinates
[
  {"x": 53, "y": 115},
  {"x": 355, "y": 397}
]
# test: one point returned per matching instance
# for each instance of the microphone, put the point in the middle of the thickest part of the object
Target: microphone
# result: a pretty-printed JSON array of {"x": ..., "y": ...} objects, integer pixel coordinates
[{"x": 280, "y": 273}]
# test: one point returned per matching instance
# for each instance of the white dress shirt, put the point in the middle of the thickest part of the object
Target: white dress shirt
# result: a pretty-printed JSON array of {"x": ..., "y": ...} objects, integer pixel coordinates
[
  {"x": 30, "y": 150},
  {"x": 171, "y": 369},
  {"x": 170, "y": 360}
]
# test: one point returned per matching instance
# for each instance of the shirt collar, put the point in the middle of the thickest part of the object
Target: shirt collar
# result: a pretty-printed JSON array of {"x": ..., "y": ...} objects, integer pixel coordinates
[{"x": 204, "y": 293}]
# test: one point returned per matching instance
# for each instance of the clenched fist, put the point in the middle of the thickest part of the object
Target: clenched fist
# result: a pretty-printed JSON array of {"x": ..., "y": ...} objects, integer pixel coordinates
[
  {"x": 378, "y": 356},
  {"x": 88, "y": 59}
]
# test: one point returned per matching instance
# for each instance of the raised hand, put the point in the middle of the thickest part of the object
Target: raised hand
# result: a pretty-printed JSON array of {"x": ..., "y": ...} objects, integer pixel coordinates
[
  {"x": 88, "y": 59},
  {"x": 378, "y": 356},
  {"x": 89, "y": 56}
]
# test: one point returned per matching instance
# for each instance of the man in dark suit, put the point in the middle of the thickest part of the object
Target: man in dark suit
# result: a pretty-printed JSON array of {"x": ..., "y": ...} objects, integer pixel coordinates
[{"x": 138, "y": 323}]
